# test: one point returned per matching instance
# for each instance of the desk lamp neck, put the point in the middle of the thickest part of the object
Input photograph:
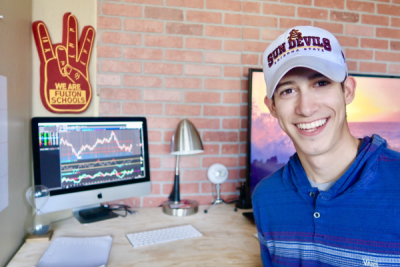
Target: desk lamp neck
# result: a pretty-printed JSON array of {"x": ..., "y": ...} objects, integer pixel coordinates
[
  {"x": 175, "y": 195},
  {"x": 177, "y": 165}
]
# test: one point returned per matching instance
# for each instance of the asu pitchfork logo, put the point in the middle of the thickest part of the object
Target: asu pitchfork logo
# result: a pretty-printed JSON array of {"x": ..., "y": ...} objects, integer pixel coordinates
[
  {"x": 64, "y": 67},
  {"x": 295, "y": 35}
]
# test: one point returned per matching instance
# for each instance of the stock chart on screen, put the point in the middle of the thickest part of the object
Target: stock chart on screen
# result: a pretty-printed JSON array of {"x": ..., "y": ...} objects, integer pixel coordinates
[{"x": 95, "y": 153}]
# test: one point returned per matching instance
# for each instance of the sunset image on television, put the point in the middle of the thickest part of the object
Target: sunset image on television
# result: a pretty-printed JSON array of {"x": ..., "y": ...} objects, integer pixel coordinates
[{"x": 375, "y": 110}]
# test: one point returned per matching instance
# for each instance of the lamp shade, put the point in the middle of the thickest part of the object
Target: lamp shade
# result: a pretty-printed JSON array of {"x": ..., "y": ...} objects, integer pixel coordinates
[{"x": 186, "y": 140}]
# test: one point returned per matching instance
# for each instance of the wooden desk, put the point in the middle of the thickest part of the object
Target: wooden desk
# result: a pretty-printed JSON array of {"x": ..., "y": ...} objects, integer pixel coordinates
[{"x": 227, "y": 240}]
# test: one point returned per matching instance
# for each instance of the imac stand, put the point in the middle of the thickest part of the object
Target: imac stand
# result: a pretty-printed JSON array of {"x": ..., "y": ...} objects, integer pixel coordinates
[{"x": 93, "y": 213}]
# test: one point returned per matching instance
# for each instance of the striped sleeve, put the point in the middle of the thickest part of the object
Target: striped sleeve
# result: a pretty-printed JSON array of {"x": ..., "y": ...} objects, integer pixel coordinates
[
  {"x": 264, "y": 251},
  {"x": 265, "y": 256}
]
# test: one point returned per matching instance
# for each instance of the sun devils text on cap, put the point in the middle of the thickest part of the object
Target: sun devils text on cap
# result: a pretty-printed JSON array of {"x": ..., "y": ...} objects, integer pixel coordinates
[{"x": 296, "y": 40}]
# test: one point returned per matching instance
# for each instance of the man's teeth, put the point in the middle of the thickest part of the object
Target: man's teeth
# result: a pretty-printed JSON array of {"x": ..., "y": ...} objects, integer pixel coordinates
[{"x": 312, "y": 125}]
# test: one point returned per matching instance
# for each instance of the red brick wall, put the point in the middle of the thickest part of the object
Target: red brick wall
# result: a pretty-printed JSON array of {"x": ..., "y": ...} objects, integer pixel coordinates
[{"x": 169, "y": 59}]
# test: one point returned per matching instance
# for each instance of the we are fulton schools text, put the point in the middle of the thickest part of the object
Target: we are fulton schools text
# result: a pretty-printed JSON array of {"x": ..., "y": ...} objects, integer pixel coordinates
[{"x": 71, "y": 94}]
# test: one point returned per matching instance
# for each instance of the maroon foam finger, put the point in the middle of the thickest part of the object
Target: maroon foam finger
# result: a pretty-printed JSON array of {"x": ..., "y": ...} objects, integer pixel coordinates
[
  {"x": 71, "y": 32},
  {"x": 43, "y": 41},
  {"x": 85, "y": 45},
  {"x": 62, "y": 59}
]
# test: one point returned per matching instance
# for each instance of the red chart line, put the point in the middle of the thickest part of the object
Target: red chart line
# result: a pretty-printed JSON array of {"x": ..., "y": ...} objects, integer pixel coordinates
[{"x": 122, "y": 147}]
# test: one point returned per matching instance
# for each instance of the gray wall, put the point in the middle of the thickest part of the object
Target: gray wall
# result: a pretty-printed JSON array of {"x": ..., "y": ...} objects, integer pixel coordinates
[{"x": 16, "y": 65}]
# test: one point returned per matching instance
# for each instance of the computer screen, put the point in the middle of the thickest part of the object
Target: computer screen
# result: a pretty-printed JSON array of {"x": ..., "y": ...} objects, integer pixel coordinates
[{"x": 84, "y": 161}]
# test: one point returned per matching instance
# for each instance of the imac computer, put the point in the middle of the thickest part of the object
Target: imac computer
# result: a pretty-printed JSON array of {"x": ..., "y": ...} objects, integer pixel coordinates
[{"x": 88, "y": 161}]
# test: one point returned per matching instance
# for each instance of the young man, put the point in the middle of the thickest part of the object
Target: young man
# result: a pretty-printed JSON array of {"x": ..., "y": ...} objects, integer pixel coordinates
[{"x": 337, "y": 201}]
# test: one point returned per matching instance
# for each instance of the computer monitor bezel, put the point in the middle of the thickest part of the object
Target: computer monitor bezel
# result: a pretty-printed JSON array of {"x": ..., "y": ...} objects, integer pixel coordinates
[{"x": 36, "y": 157}]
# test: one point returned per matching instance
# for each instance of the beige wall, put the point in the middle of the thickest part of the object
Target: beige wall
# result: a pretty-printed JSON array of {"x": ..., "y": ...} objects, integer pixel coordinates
[
  {"x": 20, "y": 64},
  {"x": 51, "y": 13},
  {"x": 15, "y": 64}
]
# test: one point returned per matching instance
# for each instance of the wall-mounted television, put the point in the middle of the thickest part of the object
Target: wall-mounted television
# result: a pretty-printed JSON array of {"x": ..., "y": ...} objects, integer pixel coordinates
[{"x": 375, "y": 110}]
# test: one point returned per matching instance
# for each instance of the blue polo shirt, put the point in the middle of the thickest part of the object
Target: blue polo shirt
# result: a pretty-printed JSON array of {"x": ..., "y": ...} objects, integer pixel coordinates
[{"x": 355, "y": 223}]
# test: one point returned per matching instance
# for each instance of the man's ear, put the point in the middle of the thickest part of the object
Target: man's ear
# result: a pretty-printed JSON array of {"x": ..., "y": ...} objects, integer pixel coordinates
[
  {"x": 271, "y": 106},
  {"x": 349, "y": 88}
]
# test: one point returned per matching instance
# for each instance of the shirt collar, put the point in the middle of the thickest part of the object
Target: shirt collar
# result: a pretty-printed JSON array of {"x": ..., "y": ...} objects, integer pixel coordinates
[{"x": 295, "y": 176}]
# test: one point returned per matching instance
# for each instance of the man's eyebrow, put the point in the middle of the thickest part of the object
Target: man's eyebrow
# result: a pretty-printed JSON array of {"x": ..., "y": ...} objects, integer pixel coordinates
[{"x": 283, "y": 84}]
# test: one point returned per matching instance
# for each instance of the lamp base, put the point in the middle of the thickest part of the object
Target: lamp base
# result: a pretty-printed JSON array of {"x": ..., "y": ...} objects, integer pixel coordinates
[{"x": 185, "y": 207}]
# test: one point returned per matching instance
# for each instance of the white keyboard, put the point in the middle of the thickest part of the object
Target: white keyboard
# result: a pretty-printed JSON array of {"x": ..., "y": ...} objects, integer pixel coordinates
[{"x": 157, "y": 236}]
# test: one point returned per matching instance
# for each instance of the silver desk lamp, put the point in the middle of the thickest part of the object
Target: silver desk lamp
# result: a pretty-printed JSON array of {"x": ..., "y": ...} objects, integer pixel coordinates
[{"x": 185, "y": 141}]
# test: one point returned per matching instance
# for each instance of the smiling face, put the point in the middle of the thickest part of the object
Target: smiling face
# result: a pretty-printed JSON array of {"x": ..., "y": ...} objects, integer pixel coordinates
[{"x": 311, "y": 110}]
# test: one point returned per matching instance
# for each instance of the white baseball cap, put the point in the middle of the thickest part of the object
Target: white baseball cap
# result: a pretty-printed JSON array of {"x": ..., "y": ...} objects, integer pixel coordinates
[{"x": 303, "y": 46}]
